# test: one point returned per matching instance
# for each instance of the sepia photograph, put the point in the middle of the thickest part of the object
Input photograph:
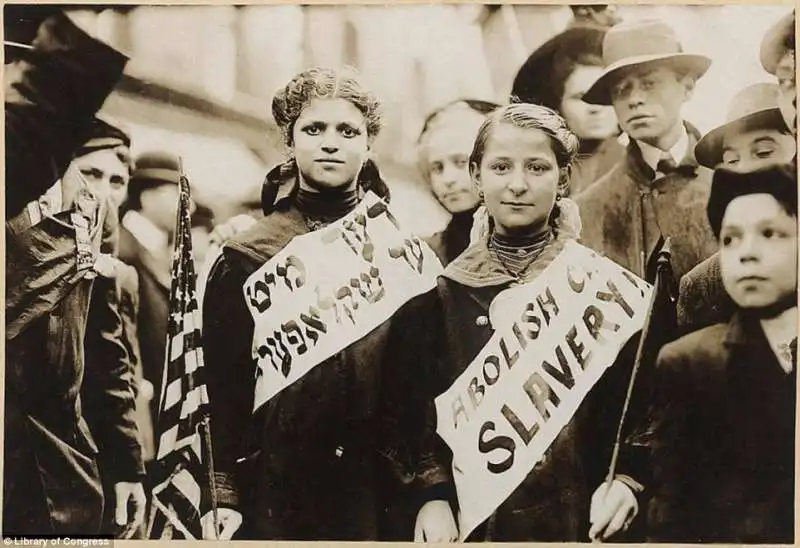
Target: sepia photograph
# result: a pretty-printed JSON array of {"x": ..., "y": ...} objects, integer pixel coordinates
[{"x": 402, "y": 272}]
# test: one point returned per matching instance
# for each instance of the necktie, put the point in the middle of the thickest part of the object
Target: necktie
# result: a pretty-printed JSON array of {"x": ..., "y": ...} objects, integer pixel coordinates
[{"x": 666, "y": 165}]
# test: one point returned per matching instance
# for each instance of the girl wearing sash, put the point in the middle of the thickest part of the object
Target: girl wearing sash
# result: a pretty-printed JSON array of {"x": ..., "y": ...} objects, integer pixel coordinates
[
  {"x": 520, "y": 165},
  {"x": 303, "y": 466}
]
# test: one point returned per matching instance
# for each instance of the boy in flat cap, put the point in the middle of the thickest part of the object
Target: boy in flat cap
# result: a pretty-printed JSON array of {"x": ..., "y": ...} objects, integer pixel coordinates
[
  {"x": 720, "y": 435},
  {"x": 658, "y": 190},
  {"x": 145, "y": 237},
  {"x": 754, "y": 136}
]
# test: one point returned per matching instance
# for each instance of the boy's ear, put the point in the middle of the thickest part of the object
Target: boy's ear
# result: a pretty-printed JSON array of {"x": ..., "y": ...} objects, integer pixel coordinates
[{"x": 688, "y": 81}]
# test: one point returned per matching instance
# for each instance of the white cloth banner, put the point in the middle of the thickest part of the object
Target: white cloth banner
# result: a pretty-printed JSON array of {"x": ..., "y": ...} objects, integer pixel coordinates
[
  {"x": 554, "y": 338},
  {"x": 331, "y": 287}
]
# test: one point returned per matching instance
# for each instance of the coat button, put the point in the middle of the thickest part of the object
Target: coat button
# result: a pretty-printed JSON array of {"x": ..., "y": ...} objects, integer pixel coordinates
[
  {"x": 482, "y": 321},
  {"x": 339, "y": 451}
]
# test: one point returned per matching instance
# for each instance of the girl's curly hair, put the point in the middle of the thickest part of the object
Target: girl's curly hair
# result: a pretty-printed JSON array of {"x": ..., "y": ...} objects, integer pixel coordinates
[{"x": 324, "y": 83}]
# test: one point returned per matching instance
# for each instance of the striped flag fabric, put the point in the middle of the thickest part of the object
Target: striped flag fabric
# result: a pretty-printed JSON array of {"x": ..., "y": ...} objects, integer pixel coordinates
[{"x": 183, "y": 459}]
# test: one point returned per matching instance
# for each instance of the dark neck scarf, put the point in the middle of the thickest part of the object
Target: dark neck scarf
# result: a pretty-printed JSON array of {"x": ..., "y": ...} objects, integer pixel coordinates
[
  {"x": 457, "y": 233},
  {"x": 588, "y": 147},
  {"x": 516, "y": 253},
  {"x": 325, "y": 207}
]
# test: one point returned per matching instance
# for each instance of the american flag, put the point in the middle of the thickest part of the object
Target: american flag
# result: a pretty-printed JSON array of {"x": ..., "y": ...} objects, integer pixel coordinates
[{"x": 183, "y": 468}]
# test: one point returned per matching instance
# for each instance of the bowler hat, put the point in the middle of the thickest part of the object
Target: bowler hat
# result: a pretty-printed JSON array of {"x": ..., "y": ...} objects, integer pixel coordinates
[
  {"x": 633, "y": 44},
  {"x": 779, "y": 181},
  {"x": 755, "y": 107},
  {"x": 779, "y": 38},
  {"x": 535, "y": 82}
]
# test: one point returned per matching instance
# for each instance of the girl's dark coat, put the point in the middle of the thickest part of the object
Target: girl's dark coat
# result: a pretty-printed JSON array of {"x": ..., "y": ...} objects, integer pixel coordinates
[
  {"x": 434, "y": 337},
  {"x": 306, "y": 466}
]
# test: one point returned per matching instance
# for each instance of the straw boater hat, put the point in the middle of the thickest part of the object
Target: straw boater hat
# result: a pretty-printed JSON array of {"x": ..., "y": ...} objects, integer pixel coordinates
[
  {"x": 755, "y": 107},
  {"x": 775, "y": 43},
  {"x": 633, "y": 44}
]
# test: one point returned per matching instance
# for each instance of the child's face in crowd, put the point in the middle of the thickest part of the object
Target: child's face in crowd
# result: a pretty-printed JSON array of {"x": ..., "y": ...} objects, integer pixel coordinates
[
  {"x": 586, "y": 120},
  {"x": 330, "y": 142},
  {"x": 519, "y": 176},
  {"x": 104, "y": 173},
  {"x": 751, "y": 150},
  {"x": 758, "y": 251},
  {"x": 648, "y": 102},
  {"x": 446, "y": 151},
  {"x": 787, "y": 98}
]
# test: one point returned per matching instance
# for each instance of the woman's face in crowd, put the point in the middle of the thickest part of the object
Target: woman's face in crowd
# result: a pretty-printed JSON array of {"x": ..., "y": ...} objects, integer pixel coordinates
[
  {"x": 104, "y": 172},
  {"x": 446, "y": 151},
  {"x": 787, "y": 97},
  {"x": 648, "y": 102},
  {"x": 519, "y": 177},
  {"x": 751, "y": 150},
  {"x": 587, "y": 121},
  {"x": 330, "y": 143},
  {"x": 758, "y": 251}
]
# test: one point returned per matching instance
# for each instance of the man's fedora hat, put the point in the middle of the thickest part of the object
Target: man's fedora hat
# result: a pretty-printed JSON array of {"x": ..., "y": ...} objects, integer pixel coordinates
[
  {"x": 778, "y": 39},
  {"x": 632, "y": 44},
  {"x": 755, "y": 107}
]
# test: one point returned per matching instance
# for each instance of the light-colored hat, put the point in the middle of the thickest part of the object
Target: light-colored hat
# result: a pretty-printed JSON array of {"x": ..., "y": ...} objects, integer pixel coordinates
[
  {"x": 638, "y": 43},
  {"x": 755, "y": 107},
  {"x": 774, "y": 44}
]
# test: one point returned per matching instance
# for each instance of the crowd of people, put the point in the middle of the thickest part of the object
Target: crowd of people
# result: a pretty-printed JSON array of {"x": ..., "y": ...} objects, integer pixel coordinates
[{"x": 591, "y": 147}]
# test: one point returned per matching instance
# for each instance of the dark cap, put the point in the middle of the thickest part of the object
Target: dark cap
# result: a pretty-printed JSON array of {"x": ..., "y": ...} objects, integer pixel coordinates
[
  {"x": 541, "y": 78},
  {"x": 105, "y": 134},
  {"x": 726, "y": 186},
  {"x": 152, "y": 169}
]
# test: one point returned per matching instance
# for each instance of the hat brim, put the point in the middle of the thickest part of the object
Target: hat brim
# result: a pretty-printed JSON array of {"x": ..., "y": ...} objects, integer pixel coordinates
[
  {"x": 708, "y": 150},
  {"x": 692, "y": 63},
  {"x": 773, "y": 44}
]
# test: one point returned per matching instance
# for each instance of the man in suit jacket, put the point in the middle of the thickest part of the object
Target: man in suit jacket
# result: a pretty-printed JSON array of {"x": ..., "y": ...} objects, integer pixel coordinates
[{"x": 145, "y": 238}]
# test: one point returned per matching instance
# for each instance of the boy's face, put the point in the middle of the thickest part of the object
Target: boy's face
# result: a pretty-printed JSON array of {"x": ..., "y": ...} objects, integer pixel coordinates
[
  {"x": 751, "y": 150},
  {"x": 758, "y": 251},
  {"x": 648, "y": 101}
]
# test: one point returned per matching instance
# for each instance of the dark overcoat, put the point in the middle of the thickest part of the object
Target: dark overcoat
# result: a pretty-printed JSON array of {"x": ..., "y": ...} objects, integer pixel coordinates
[
  {"x": 433, "y": 339},
  {"x": 720, "y": 439},
  {"x": 308, "y": 464},
  {"x": 626, "y": 212}
]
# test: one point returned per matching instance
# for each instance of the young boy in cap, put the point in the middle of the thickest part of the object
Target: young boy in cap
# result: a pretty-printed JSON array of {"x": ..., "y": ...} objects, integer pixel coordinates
[
  {"x": 144, "y": 243},
  {"x": 720, "y": 433},
  {"x": 754, "y": 136},
  {"x": 777, "y": 58},
  {"x": 658, "y": 190}
]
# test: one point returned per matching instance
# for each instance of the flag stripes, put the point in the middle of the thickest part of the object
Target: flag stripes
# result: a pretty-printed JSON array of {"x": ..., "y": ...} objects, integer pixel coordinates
[{"x": 182, "y": 471}]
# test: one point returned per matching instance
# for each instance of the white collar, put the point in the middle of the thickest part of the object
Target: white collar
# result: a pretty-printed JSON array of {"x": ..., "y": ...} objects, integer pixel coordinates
[
  {"x": 652, "y": 155},
  {"x": 146, "y": 233}
]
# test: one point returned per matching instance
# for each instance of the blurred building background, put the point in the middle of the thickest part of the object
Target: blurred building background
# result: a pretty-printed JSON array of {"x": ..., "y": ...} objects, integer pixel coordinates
[{"x": 201, "y": 78}]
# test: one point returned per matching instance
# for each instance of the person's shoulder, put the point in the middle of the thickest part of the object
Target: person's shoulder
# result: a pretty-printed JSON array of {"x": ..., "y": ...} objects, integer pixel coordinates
[{"x": 700, "y": 348}]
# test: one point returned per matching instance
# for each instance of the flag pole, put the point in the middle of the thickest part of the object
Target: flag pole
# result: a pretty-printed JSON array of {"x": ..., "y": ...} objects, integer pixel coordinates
[
  {"x": 212, "y": 481},
  {"x": 662, "y": 261}
]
